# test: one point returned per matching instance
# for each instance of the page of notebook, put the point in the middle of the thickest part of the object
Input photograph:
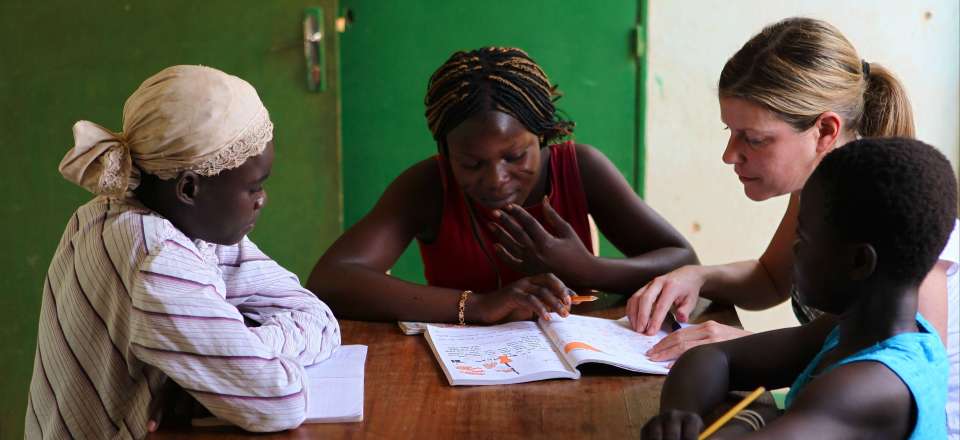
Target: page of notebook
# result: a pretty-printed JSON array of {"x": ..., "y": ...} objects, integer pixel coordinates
[
  {"x": 335, "y": 392},
  {"x": 336, "y": 386}
]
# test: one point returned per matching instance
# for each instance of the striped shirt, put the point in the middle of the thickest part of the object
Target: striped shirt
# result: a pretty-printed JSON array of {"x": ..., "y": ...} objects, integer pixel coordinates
[{"x": 129, "y": 301}]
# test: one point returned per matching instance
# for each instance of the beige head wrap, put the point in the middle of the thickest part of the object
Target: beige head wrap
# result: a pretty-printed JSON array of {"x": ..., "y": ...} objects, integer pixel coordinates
[{"x": 184, "y": 118}]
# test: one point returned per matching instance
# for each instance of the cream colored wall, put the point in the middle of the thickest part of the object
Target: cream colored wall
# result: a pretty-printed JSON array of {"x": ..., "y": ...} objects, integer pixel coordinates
[{"x": 689, "y": 41}]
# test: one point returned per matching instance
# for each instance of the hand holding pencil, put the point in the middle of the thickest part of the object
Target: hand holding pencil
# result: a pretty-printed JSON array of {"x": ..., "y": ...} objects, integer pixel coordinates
[
  {"x": 688, "y": 425},
  {"x": 673, "y": 425},
  {"x": 536, "y": 295},
  {"x": 731, "y": 413}
]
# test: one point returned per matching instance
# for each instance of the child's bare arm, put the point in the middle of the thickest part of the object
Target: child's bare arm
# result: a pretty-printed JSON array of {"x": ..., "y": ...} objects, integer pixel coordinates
[
  {"x": 857, "y": 400},
  {"x": 702, "y": 377}
]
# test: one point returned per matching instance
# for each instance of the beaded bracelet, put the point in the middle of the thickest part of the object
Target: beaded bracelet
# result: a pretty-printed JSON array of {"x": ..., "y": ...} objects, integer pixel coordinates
[{"x": 752, "y": 418}]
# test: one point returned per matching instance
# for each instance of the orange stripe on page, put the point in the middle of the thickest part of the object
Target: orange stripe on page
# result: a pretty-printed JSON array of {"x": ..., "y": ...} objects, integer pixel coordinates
[{"x": 579, "y": 346}]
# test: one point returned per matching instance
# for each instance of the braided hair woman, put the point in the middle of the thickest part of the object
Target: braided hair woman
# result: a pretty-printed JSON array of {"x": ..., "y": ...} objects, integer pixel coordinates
[{"x": 500, "y": 213}]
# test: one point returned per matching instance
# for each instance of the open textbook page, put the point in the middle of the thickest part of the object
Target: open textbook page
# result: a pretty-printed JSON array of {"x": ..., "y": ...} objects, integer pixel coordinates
[
  {"x": 501, "y": 354},
  {"x": 583, "y": 339},
  {"x": 526, "y": 351}
]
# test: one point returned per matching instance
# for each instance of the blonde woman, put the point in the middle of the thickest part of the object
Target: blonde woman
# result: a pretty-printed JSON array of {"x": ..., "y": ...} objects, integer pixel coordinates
[{"x": 790, "y": 95}]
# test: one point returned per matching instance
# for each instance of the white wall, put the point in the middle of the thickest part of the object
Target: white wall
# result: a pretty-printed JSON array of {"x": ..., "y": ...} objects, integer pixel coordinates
[{"x": 689, "y": 42}]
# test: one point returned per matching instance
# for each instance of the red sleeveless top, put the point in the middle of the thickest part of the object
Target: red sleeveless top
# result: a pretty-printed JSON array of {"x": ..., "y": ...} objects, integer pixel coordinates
[{"x": 455, "y": 260}]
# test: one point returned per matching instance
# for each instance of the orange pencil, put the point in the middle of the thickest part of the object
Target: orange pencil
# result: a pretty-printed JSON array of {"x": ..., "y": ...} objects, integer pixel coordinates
[{"x": 577, "y": 299}]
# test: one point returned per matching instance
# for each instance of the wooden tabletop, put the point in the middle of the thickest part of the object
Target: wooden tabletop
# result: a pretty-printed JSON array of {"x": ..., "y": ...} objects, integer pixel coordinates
[{"x": 407, "y": 395}]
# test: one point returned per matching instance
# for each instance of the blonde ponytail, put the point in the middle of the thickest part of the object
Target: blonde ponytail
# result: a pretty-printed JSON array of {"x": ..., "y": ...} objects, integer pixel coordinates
[
  {"x": 800, "y": 68},
  {"x": 886, "y": 107}
]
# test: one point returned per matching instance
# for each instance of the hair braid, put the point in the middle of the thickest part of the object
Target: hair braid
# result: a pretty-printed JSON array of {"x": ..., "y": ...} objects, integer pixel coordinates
[{"x": 493, "y": 78}]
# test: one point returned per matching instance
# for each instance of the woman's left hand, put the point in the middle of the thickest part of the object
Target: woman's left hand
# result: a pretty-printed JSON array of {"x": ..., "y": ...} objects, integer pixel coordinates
[{"x": 525, "y": 245}]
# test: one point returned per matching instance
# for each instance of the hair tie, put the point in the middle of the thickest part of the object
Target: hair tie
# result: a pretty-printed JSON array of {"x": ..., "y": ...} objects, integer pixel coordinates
[{"x": 865, "y": 67}]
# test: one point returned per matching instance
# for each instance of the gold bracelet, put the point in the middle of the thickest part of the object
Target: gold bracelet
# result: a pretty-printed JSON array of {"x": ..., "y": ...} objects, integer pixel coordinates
[{"x": 460, "y": 307}]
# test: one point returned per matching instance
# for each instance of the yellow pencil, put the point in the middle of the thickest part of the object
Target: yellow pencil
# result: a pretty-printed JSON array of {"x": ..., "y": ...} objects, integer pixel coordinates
[{"x": 729, "y": 415}]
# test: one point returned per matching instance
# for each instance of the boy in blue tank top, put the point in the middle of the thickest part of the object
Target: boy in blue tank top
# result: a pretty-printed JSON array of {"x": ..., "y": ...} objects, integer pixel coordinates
[{"x": 873, "y": 219}]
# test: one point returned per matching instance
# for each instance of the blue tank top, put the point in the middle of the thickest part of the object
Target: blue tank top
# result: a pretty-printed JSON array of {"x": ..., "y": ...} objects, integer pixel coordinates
[{"x": 917, "y": 358}]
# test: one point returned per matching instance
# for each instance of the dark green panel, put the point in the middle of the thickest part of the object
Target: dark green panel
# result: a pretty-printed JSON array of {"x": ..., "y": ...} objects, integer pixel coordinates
[
  {"x": 392, "y": 48},
  {"x": 64, "y": 61}
]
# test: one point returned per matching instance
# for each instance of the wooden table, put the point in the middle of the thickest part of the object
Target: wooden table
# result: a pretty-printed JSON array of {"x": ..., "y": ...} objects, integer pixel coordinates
[{"x": 407, "y": 396}]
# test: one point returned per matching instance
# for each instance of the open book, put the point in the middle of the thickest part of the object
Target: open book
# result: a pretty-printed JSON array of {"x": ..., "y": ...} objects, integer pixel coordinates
[
  {"x": 527, "y": 351},
  {"x": 335, "y": 393}
]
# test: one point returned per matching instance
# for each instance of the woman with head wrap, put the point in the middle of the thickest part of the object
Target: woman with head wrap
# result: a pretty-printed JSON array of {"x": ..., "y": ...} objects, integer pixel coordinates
[{"x": 154, "y": 278}]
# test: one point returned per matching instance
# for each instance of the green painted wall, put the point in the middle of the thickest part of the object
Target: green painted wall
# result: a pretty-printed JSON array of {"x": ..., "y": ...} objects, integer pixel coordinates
[
  {"x": 390, "y": 51},
  {"x": 65, "y": 60}
]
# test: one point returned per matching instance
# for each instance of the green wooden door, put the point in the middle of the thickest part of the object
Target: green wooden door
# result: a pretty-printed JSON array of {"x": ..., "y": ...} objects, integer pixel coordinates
[
  {"x": 391, "y": 49},
  {"x": 63, "y": 61}
]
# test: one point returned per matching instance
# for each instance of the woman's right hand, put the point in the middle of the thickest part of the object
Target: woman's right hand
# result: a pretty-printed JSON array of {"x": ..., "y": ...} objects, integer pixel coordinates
[
  {"x": 678, "y": 289},
  {"x": 536, "y": 295}
]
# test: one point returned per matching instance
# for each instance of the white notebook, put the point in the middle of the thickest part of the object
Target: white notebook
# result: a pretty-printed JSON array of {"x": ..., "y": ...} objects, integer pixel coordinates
[
  {"x": 335, "y": 393},
  {"x": 336, "y": 387}
]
